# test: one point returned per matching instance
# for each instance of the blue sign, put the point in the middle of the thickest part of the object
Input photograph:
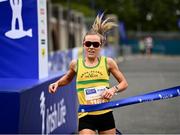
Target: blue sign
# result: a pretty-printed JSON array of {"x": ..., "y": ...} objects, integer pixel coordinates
[
  {"x": 19, "y": 38},
  {"x": 28, "y": 108},
  {"x": 179, "y": 23},
  {"x": 122, "y": 32}
]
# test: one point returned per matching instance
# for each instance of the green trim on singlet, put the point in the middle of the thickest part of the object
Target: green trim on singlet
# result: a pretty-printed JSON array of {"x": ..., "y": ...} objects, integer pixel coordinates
[
  {"x": 92, "y": 81},
  {"x": 83, "y": 61},
  {"x": 106, "y": 66},
  {"x": 80, "y": 89},
  {"x": 77, "y": 66}
]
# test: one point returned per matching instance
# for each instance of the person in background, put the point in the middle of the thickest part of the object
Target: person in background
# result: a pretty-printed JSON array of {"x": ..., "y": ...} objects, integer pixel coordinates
[
  {"x": 149, "y": 45},
  {"x": 92, "y": 73},
  {"x": 142, "y": 48}
]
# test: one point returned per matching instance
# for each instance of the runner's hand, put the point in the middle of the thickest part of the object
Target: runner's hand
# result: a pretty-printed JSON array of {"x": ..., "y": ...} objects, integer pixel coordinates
[
  {"x": 109, "y": 93},
  {"x": 53, "y": 87}
]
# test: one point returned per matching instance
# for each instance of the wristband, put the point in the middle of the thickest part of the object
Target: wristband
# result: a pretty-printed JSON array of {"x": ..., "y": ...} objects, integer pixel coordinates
[{"x": 116, "y": 89}]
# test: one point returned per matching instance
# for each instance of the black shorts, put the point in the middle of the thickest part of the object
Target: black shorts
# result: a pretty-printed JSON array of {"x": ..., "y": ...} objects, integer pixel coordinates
[{"x": 97, "y": 122}]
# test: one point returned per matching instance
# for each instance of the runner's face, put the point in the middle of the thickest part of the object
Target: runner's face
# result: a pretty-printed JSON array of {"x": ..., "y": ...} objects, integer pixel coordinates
[{"x": 92, "y": 46}]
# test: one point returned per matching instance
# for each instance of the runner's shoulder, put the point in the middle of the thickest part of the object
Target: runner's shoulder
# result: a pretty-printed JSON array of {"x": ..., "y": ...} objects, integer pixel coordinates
[
  {"x": 110, "y": 60},
  {"x": 111, "y": 63},
  {"x": 73, "y": 64}
]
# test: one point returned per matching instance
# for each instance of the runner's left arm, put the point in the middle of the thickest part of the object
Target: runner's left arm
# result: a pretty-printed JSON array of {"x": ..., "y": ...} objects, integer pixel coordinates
[{"x": 113, "y": 68}]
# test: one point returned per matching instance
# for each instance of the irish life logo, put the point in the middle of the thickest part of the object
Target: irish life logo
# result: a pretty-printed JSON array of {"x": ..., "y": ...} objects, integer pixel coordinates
[
  {"x": 17, "y": 32},
  {"x": 52, "y": 116}
]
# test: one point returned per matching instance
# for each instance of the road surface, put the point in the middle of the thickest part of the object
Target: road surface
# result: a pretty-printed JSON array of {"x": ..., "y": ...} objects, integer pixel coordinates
[{"x": 145, "y": 74}]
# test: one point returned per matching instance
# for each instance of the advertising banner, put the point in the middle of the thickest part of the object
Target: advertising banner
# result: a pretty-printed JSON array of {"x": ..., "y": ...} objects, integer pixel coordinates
[
  {"x": 23, "y": 41},
  {"x": 28, "y": 108}
]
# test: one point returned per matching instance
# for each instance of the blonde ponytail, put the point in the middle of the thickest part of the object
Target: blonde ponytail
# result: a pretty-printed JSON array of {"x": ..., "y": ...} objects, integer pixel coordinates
[{"x": 101, "y": 27}]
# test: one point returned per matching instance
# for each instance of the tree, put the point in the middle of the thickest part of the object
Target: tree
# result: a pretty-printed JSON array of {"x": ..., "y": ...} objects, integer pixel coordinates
[{"x": 151, "y": 15}]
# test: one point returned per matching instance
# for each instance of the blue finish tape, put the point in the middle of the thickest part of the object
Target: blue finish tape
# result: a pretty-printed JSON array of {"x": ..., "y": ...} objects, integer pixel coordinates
[{"x": 148, "y": 97}]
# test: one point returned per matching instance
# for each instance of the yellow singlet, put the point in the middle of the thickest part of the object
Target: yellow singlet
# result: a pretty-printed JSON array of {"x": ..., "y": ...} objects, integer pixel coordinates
[{"x": 91, "y": 82}]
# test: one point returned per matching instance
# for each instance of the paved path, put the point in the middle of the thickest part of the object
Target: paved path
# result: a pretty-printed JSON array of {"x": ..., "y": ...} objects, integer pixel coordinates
[{"x": 144, "y": 75}]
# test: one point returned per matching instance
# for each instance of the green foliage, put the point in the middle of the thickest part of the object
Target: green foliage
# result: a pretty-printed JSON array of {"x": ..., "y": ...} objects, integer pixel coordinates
[
  {"x": 77, "y": 5},
  {"x": 146, "y": 15}
]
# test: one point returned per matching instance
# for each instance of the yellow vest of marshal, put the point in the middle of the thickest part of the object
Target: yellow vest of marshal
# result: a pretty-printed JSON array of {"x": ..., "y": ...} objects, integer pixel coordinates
[{"x": 90, "y": 83}]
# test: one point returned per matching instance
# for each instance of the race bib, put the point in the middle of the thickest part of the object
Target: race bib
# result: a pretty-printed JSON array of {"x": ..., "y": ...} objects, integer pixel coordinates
[{"x": 93, "y": 95}]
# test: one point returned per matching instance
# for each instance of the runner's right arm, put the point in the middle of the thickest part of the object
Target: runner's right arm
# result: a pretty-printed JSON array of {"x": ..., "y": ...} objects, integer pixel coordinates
[{"x": 66, "y": 79}]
